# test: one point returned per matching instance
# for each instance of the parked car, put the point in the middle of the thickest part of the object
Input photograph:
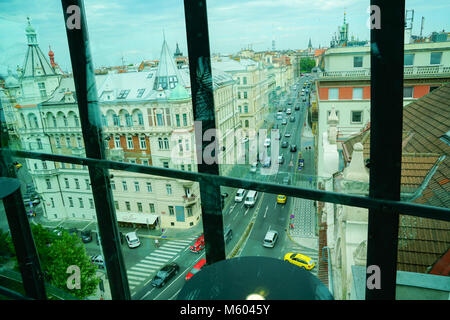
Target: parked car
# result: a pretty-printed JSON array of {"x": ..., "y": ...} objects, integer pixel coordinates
[
  {"x": 86, "y": 236},
  {"x": 281, "y": 159},
  {"x": 288, "y": 111},
  {"x": 300, "y": 260},
  {"x": 195, "y": 269},
  {"x": 199, "y": 244},
  {"x": 98, "y": 261},
  {"x": 293, "y": 148},
  {"x": 287, "y": 135},
  {"x": 284, "y": 121},
  {"x": 132, "y": 240},
  {"x": 165, "y": 274}
]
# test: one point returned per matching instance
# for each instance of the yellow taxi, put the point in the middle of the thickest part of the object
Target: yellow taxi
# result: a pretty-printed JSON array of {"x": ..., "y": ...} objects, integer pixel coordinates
[
  {"x": 300, "y": 260},
  {"x": 281, "y": 199}
]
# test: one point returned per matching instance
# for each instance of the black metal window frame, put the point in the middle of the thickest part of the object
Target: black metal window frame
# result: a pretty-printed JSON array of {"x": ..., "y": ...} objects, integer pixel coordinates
[{"x": 383, "y": 201}]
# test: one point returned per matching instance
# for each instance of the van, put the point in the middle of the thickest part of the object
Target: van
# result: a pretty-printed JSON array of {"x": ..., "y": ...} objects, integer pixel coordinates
[
  {"x": 228, "y": 235},
  {"x": 251, "y": 198},
  {"x": 270, "y": 239},
  {"x": 240, "y": 194}
]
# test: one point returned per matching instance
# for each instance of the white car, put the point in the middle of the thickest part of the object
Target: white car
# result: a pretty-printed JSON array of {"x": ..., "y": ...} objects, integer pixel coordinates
[
  {"x": 132, "y": 240},
  {"x": 244, "y": 140},
  {"x": 288, "y": 111},
  {"x": 267, "y": 143},
  {"x": 240, "y": 194}
]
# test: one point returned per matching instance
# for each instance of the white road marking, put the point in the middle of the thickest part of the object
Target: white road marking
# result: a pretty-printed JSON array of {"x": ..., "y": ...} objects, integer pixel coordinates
[
  {"x": 136, "y": 278},
  {"x": 143, "y": 269},
  {"x": 159, "y": 259},
  {"x": 161, "y": 255},
  {"x": 172, "y": 249},
  {"x": 267, "y": 208},
  {"x": 139, "y": 273},
  {"x": 158, "y": 263}
]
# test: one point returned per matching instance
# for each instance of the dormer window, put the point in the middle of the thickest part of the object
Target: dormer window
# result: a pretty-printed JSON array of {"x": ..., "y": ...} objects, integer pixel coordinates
[
  {"x": 140, "y": 93},
  {"x": 123, "y": 94}
]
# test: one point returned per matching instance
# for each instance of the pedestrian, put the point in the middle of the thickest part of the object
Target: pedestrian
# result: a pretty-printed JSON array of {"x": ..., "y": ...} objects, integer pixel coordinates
[
  {"x": 292, "y": 226},
  {"x": 310, "y": 181}
]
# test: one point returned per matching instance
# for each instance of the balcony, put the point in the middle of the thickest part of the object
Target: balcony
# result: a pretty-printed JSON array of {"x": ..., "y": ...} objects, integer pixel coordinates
[
  {"x": 191, "y": 199},
  {"x": 123, "y": 129},
  {"x": 45, "y": 172},
  {"x": 57, "y": 130},
  {"x": 410, "y": 72}
]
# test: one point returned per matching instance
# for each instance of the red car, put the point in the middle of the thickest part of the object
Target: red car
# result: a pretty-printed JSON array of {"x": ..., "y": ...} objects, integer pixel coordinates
[
  {"x": 196, "y": 268},
  {"x": 199, "y": 244}
]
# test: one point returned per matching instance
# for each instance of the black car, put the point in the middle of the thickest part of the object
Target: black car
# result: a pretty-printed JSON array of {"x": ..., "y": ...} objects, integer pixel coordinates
[
  {"x": 284, "y": 144},
  {"x": 293, "y": 148},
  {"x": 86, "y": 236},
  {"x": 165, "y": 274},
  {"x": 297, "y": 107},
  {"x": 292, "y": 119}
]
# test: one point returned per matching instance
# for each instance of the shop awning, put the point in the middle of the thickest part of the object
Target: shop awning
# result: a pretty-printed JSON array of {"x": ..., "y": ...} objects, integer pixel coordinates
[{"x": 135, "y": 217}]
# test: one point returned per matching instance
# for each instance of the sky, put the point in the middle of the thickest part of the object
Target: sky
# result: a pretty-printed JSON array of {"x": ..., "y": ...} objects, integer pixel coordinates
[{"x": 133, "y": 30}]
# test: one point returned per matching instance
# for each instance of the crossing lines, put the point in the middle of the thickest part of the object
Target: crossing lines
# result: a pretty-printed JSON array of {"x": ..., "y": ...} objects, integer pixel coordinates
[{"x": 152, "y": 263}]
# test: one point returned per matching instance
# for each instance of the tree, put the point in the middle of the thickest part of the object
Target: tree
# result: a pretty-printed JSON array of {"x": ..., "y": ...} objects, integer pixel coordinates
[
  {"x": 57, "y": 253},
  {"x": 306, "y": 64}
]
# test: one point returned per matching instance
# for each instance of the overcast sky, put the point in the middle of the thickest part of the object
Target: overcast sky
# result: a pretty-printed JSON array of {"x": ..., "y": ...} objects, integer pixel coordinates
[{"x": 134, "y": 28}]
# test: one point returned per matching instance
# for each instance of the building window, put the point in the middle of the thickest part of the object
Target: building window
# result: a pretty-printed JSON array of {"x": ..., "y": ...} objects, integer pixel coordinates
[
  {"x": 66, "y": 123},
  {"x": 177, "y": 118},
  {"x": 68, "y": 144},
  {"x": 433, "y": 88},
  {"x": 145, "y": 162},
  {"x": 189, "y": 167},
  {"x": 160, "y": 143},
  {"x": 244, "y": 80},
  {"x": 187, "y": 144},
  {"x": 189, "y": 211},
  {"x": 239, "y": 95},
  {"x": 79, "y": 143},
  {"x": 128, "y": 120},
  {"x": 127, "y": 205},
  {"x": 116, "y": 120},
  {"x": 67, "y": 183},
  {"x": 245, "y": 94},
  {"x": 149, "y": 187},
  {"x": 124, "y": 186},
  {"x": 70, "y": 202},
  {"x": 44, "y": 165},
  {"x": 357, "y": 93},
  {"x": 180, "y": 145},
  {"x": 91, "y": 203},
  {"x": 39, "y": 143},
  {"x": 87, "y": 184},
  {"x": 49, "y": 184},
  {"x": 142, "y": 143},
  {"x": 409, "y": 60},
  {"x": 130, "y": 143},
  {"x": 408, "y": 92},
  {"x": 245, "y": 109},
  {"x": 357, "y": 62},
  {"x": 159, "y": 120},
  {"x": 333, "y": 93},
  {"x": 240, "y": 109},
  {"x": 356, "y": 116},
  {"x": 123, "y": 94},
  {"x": 77, "y": 184},
  {"x": 77, "y": 122},
  {"x": 166, "y": 143},
  {"x": 136, "y": 186},
  {"x": 435, "y": 57},
  {"x": 152, "y": 207},
  {"x": 58, "y": 142},
  {"x": 104, "y": 121},
  {"x": 140, "y": 119},
  {"x": 139, "y": 206},
  {"x": 169, "y": 189},
  {"x": 116, "y": 205},
  {"x": 171, "y": 211},
  {"x": 113, "y": 185},
  {"x": 185, "y": 119},
  {"x": 53, "y": 202},
  {"x": 81, "y": 202},
  {"x": 117, "y": 141},
  {"x": 42, "y": 90},
  {"x": 140, "y": 93},
  {"x": 165, "y": 164}
]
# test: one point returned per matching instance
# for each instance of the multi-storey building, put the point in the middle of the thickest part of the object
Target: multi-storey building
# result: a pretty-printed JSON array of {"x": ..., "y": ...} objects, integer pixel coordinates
[
  {"x": 345, "y": 83},
  {"x": 147, "y": 119},
  {"x": 253, "y": 86}
]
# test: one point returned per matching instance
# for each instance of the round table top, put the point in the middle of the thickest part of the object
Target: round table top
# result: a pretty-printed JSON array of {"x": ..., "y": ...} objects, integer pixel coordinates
[
  {"x": 8, "y": 186},
  {"x": 243, "y": 277}
]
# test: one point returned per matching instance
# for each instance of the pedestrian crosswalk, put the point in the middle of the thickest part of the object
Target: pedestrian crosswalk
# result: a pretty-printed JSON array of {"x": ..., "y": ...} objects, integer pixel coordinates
[{"x": 149, "y": 265}]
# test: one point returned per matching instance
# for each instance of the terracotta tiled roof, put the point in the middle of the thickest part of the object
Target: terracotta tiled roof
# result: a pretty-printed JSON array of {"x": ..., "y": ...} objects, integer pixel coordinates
[{"x": 426, "y": 171}]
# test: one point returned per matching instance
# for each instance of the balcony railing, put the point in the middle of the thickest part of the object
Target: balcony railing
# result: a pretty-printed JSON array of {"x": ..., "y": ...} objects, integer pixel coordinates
[
  {"x": 409, "y": 72},
  {"x": 189, "y": 199}
]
